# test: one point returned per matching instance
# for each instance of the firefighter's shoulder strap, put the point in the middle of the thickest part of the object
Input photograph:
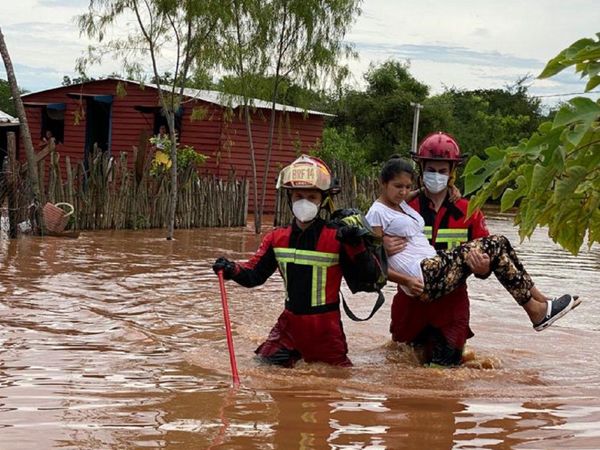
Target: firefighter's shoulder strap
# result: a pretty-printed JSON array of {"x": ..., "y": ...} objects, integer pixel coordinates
[{"x": 375, "y": 250}]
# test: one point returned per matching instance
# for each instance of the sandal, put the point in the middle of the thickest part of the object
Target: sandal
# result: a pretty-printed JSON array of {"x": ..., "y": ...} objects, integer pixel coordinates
[{"x": 557, "y": 308}]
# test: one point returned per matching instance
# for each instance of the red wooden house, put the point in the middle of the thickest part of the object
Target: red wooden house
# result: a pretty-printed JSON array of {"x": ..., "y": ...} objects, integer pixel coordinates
[{"x": 83, "y": 114}]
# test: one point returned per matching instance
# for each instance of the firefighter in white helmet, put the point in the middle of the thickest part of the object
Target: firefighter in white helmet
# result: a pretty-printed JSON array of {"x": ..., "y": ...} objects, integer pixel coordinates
[{"x": 312, "y": 256}]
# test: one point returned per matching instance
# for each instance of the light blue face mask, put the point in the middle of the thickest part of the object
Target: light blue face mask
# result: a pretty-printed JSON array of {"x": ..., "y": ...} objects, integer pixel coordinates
[
  {"x": 435, "y": 182},
  {"x": 305, "y": 210}
]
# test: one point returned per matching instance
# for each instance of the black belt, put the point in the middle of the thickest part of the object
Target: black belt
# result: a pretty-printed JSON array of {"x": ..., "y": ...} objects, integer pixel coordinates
[{"x": 307, "y": 310}]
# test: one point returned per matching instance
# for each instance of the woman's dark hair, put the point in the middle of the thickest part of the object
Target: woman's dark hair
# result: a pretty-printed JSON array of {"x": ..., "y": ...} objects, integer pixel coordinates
[{"x": 394, "y": 167}]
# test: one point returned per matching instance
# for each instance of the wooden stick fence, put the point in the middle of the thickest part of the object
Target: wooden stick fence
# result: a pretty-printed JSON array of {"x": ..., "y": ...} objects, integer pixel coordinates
[
  {"x": 15, "y": 194},
  {"x": 107, "y": 194}
]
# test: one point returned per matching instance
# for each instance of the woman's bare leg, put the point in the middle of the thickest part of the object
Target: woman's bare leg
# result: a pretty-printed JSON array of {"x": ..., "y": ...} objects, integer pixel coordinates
[
  {"x": 538, "y": 296},
  {"x": 537, "y": 307}
]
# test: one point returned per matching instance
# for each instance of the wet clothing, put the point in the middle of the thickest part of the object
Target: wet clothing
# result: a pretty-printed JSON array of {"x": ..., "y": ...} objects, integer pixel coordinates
[
  {"x": 313, "y": 337},
  {"x": 409, "y": 225},
  {"x": 415, "y": 321},
  {"x": 444, "y": 272},
  {"x": 312, "y": 263}
]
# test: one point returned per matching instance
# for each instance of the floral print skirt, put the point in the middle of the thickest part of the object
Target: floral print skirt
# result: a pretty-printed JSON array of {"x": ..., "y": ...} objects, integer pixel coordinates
[{"x": 446, "y": 271}]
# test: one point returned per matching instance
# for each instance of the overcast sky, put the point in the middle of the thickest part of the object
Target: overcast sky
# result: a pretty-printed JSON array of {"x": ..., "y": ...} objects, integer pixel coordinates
[{"x": 465, "y": 44}]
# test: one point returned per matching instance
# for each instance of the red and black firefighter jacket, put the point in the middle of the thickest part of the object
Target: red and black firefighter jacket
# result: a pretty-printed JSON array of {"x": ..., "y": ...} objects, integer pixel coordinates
[
  {"x": 311, "y": 263},
  {"x": 445, "y": 229}
]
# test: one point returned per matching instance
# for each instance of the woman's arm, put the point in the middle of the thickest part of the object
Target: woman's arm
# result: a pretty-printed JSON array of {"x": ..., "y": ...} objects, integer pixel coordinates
[{"x": 414, "y": 285}]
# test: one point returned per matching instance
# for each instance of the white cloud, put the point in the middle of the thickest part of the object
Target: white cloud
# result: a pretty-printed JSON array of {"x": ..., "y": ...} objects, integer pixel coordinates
[
  {"x": 473, "y": 45},
  {"x": 65, "y": 3},
  {"x": 463, "y": 43}
]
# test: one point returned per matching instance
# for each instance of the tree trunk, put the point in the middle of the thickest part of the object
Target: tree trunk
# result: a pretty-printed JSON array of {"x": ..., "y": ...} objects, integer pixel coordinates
[
  {"x": 266, "y": 179},
  {"x": 174, "y": 187},
  {"x": 25, "y": 134},
  {"x": 11, "y": 173},
  {"x": 257, "y": 212}
]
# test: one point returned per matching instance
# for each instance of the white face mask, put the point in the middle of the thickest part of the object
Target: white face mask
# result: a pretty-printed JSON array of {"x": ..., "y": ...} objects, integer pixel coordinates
[
  {"x": 435, "y": 182},
  {"x": 305, "y": 210}
]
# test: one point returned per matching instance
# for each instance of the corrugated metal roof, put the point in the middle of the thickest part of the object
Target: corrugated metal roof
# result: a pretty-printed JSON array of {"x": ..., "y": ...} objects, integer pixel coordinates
[
  {"x": 7, "y": 119},
  {"x": 215, "y": 97},
  {"x": 235, "y": 101}
]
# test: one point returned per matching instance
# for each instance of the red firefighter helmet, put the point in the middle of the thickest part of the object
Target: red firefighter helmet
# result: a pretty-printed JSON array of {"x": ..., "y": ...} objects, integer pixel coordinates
[
  {"x": 439, "y": 146},
  {"x": 307, "y": 172}
]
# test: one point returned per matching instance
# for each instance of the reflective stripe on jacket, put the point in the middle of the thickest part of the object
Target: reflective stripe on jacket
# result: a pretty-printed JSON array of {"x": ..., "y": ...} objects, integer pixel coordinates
[
  {"x": 449, "y": 226},
  {"x": 452, "y": 237},
  {"x": 319, "y": 261},
  {"x": 311, "y": 263}
]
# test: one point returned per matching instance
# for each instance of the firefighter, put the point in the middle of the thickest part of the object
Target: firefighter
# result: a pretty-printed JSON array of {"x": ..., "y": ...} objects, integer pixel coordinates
[
  {"x": 439, "y": 328},
  {"x": 312, "y": 255}
]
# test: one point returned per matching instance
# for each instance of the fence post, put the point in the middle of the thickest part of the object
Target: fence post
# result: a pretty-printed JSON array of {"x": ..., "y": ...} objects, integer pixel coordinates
[{"x": 11, "y": 184}]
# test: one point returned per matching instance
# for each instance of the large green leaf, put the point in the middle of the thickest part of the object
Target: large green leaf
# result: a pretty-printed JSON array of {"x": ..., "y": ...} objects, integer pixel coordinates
[
  {"x": 541, "y": 178},
  {"x": 592, "y": 69},
  {"x": 565, "y": 187},
  {"x": 579, "y": 109},
  {"x": 594, "y": 81},
  {"x": 475, "y": 181},
  {"x": 564, "y": 58},
  {"x": 510, "y": 196},
  {"x": 594, "y": 228},
  {"x": 474, "y": 164},
  {"x": 575, "y": 134}
]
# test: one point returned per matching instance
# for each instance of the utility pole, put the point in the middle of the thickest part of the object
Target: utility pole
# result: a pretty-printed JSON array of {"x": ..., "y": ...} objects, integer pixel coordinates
[{"x": 418, "y": 107}]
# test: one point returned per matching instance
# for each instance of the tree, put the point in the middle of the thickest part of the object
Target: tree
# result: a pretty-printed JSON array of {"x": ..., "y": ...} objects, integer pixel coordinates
[
  {"x": 342, "y": 145},
  {"x": 554, "y": 176},
  {"x": 483, "y": 118},
  {"x": 25, "y": 134},
  {"x": 382, "y": 115},
  {"x": 281, "y": 41},
  {"x": 6, "y": 102},
  {"x": 184, "y": 30}
]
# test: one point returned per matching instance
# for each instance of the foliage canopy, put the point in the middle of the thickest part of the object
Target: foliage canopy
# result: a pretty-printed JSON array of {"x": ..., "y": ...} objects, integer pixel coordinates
[
  {"x": 6, "y": 103},
  {"x": 553, "y": 176}
]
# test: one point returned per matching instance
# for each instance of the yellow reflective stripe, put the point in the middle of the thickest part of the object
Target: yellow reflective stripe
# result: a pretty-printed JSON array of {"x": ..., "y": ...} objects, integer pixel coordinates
[
  {"x": 319, "y": 261},
  {"x": 318, "y": 286},
  {"x": 283, "y": 270},
  {"x": 428, "y": 232},
  {"x": 306, "y": 257},
  {"x": 451, "y": 234}
]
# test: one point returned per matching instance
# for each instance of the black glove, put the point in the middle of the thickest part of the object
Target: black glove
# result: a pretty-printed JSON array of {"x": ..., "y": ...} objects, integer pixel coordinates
[
  {"x": 349, "y": 234},
  {"x": 223, "y": 264}
]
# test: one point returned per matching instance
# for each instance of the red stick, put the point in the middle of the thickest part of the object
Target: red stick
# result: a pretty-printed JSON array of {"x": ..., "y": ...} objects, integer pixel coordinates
[{"x": 234, "y": 371}]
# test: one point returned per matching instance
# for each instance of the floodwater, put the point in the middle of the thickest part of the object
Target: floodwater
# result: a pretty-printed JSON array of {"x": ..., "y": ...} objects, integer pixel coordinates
[{"x": 116, "y": 341}]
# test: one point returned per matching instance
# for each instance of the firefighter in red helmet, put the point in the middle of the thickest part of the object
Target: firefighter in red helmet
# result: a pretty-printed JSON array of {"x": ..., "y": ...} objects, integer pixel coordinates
[
  {"x": 439, "y": 328},
  {"x": 312, "y": 255}
]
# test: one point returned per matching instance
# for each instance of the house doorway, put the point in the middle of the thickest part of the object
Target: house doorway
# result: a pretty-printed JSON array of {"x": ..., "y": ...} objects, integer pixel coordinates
[{"x": 98, "y": 123}]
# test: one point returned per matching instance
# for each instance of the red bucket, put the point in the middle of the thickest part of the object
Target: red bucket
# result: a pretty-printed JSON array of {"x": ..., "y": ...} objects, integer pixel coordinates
[{"x": 56, "y": 218}]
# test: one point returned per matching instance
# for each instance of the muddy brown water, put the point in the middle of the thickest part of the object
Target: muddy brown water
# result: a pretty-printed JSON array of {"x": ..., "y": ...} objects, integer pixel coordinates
[{"x": 116, "y": 340}]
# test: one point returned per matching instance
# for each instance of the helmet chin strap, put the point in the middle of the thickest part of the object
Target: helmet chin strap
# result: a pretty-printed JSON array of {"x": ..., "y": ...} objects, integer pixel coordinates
[{"x": 327, "y": 204}]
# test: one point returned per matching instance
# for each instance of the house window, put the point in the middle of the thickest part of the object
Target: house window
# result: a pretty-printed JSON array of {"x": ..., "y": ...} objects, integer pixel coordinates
[
  {"x": 161, "y": 120},
  {"x": 53, "y": 121}
]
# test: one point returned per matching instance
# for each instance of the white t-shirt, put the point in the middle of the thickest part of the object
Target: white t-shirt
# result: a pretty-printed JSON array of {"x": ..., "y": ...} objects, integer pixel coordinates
[{"x": 410, "y": 225}]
